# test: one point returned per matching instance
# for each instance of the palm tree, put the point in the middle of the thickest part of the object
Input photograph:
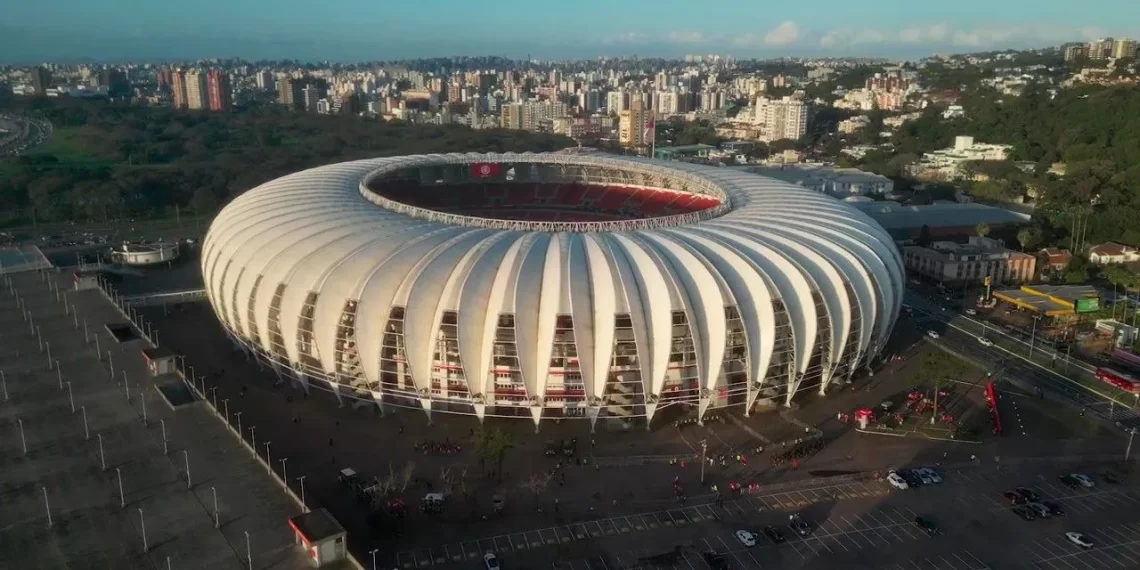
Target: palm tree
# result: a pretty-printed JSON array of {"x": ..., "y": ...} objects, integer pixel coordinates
[{"x": 491, "y": 445}]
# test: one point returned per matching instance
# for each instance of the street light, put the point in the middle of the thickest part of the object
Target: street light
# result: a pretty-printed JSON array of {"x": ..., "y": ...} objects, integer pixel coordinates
[
  {"x": 284, "y": 478},
  {"x": 1128, "y": 450},
  {"x": 304, "y": 505},
  {"x": 1033, "y": 335},
  {"x": 373, "y": 553}
]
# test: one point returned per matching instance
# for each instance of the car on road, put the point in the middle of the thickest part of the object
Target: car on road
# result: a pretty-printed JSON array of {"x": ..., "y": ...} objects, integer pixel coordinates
[
  {"x": 1040, "y": 510},
  {"x": 1055, "y": 508},
  {"x": 932, "y": 334},
  {"x": 897, "y": 481},
  {"x": 1074, "y": 480},
  {"x": 927, "y": 525},
  {"x": 1014, "y": 497},
  {"x": 774, "y": 534},
  {"x": 971, "y": 312},
  {"x": 1029, "y": 494},
  {"x": 985, "y": 341},
  {"x": 746, "y": 538},
  {"x": 1079, "y": 539},
  {"x": 715, "y": 560},
  {"x": 929, "y": 475},
  {"x": 1024, "y": 513},
  {"x": 491, "y": 561}
]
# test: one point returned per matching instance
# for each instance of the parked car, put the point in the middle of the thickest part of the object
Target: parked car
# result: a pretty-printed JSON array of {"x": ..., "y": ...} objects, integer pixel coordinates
[
  {"x": 715, "y": 560},
  {"x": 746, "y": 538},
  {"x": 1040, "y": 510},
  {"x": 1024, "y": 513},
  {"x": 798, "y": 525},
  {"x": 897, "y": 481},
  {"x": 932, "y": 334},
  {"x": 1055, "y": 508},
  {"x": 1029, "y": 494},
  {"x": 1082, "y": 480},
  {"x": 930, "y": 474},
  {"x": 1079, "y": 539},
  {"x": 927, "y": 525},
  {"x": 491, "y": 561},
  {"x": 774, "y": 534},
  {"x": 1014, "y": 497}
]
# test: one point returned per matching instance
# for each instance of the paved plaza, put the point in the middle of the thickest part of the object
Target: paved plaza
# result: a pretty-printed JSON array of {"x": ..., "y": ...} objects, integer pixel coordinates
[{"x": 82, "y": 437}]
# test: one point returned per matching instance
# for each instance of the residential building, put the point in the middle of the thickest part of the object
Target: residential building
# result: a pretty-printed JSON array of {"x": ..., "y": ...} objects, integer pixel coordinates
[
  {"x": 1111, "y": 253},
  {"x": 1053, "y": 260},
  {"x": 785, "y": 118},
  {"x": 848, "y": 126},
  {"x": 973, "y": 261},
  {"x": 41, "y": 80},
  {"x": 1123, "y": 47},
  {"x": 219, "y": 91},
  {"x": 178, "y": 89},
  {"x": 633, "y": 124},
  {"x": 289, "y": 92},
  {"x": 532, "y": 115},
  {"x": 197, "y": 94},
  {"x": 1076, "y": 51},
  {"x": 1101, "y": 49},
  {"x": 946, "y": 164}
]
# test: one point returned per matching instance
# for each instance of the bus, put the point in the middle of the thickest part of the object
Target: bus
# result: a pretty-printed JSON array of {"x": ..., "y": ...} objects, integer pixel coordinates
[{"x": 1121, "y": 380}]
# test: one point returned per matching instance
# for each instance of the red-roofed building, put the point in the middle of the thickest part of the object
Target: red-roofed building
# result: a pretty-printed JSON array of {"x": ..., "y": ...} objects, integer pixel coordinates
[
  {"x": 1052, "y": 259},
  {"x": 1110, "y": 253}
]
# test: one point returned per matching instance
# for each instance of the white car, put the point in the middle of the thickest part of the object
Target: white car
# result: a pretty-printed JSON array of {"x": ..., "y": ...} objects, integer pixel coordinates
[
  {"x": 931, "y": 334},
  {"x": 971, "y": 312},
  {"x": 491, "y": 561},
  {"x": 746, "y": 538},
  {"x": 1083, "y": 479},
  {"x": 1079, "y": 539},
  {"x": 897, "y": 481},
  {"x": 985, "y": 341}
]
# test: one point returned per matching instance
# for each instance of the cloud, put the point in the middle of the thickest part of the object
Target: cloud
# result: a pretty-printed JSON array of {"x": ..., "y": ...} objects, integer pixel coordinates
[
  {"x": 785, "y": 34},
  {"x": 993, "y": 36}
]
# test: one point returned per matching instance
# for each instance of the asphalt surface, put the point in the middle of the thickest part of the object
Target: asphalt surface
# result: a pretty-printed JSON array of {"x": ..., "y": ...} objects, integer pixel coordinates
[
  {"x": 1007, "y": 360},
  {"x": 854, "y": 525}
]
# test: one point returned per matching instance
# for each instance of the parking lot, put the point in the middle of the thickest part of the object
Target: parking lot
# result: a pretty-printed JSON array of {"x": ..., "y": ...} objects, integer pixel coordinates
[
  {"x": 857, "y": 524},
  {"x": 1116, "y": 546},
  {"x": 677, "y": 518}
]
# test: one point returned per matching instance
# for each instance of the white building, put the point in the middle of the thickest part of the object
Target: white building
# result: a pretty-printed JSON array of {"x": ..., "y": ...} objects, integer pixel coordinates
[
  {"x": 781, "y": 119},
  {"x": 946, "y": 163}
]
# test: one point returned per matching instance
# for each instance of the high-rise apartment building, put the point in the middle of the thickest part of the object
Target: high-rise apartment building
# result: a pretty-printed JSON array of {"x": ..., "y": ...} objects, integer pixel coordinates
[
  {"x": 632, "y": 125},
  {"x": 289, "y": 92},
  {"x": 219, "y": 91},
  {"x": 1074, "y": 52},
  {"x": 1123, "y": 47},
  {"x": 41, "y": 80},
  {"x": 531, "y": 115},
  {"x": 1101, "y": 49},
  {"x": 265, "y": 81},
  {"x": 178, "y": 89},
  {"x": 115, "y": 80},
  {"x": 781, "y": 119},
  {"x": 197, "y": 95}
]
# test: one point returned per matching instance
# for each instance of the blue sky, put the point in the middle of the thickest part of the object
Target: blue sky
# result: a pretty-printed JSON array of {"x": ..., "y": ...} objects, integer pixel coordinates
[{"x": 383, "y": 29}]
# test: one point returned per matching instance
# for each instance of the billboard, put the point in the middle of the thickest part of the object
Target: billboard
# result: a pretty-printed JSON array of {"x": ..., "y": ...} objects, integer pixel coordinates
[{"x": 1087, "y": 305}]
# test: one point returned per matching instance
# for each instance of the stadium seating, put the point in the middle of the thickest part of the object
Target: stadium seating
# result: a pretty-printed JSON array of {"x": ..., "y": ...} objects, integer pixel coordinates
[{"x": 563, "y": 202}]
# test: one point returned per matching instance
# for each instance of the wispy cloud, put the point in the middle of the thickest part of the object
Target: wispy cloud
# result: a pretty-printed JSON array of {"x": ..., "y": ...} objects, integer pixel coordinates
[{"x": 992, "y": 36}]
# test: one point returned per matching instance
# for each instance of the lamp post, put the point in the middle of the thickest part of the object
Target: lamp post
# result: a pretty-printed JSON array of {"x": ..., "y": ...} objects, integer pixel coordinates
[
  {"x": 304, "y": 505},
  {"x": 373, "y": 553},
  {"x": 237, "y": 416},
  {"x": 267, "y": 462},
  {"x": 217, "y": 513},
  {"x": 704, "y": 451},
  {"x": 1128, "y": 450},
  {"x": 86, "y": 432},
  {"x": 186, "y": 456},
  {"x": 284, "y": 478},
  {"x": 1033, "y": 335},
  {"x": 253, "y": 437}
]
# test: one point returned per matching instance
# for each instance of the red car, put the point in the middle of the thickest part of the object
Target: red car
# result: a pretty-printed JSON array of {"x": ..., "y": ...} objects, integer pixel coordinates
[{"x": 1014, "y": 497}]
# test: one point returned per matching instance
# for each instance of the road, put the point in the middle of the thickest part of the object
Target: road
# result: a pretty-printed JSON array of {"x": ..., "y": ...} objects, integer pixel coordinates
[{"x": 1008, "y": 359}]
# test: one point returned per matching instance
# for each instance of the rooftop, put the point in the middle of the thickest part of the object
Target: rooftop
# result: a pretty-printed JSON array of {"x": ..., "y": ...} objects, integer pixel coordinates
[
  {"x": 316, "y": 525},
  {"x": 895, "y": 216}
]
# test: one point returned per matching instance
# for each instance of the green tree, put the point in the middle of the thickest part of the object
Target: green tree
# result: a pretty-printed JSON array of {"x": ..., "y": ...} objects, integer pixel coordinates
[
  {"x": 491, "y": 446},
  {"x": 1029, "y": 237},
  {"x": 982, "y": 229}
]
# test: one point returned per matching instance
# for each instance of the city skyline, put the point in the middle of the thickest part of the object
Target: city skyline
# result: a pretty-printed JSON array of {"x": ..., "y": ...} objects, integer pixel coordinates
[{"x": 353, "y": 30}]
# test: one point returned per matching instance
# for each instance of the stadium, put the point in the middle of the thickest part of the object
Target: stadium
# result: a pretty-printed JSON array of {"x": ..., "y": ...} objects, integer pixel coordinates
[{"x": 551, "y": 285}]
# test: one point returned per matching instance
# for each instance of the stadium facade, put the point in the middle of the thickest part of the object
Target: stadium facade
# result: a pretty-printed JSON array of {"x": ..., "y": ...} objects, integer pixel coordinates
[{"x": 551, "y": 285}]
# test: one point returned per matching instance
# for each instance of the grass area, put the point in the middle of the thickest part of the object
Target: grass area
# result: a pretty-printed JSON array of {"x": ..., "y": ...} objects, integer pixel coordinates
[{"x": 70, "y": 145}]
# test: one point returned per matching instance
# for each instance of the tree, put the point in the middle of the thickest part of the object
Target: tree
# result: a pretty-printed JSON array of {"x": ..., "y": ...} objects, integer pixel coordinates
[
  {"x": 924, "y": 237},
  {"x": 1029, "y": 237},
  {"x": 982, "y": 229},
  {"x": 203, "y": 202},
  {"x": 491, "y": 446}
]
